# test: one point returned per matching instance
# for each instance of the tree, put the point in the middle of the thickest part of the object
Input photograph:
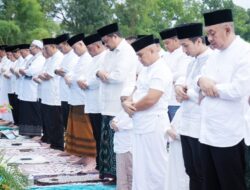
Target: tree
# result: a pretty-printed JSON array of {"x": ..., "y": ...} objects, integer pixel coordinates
[
  {"x": 8, "y": 29},
  {"x": 30, "y": 19},
  {"x": 83, "y": 15}
]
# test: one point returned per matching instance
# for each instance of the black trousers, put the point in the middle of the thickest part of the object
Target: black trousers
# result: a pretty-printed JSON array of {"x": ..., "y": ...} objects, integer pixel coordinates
[
  {"x": 65, "y": 113},
  {"x": 192, "y": 161},
  {"x": 96, "y": 123},
  {"x": 14, "y": 102},
  {"x": 53, "y": 126},
  {"x": 224, "y": 168}
]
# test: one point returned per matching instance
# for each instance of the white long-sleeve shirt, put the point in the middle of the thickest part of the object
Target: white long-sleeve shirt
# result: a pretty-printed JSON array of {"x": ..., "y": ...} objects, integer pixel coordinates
[
  {"x": 76, "y": 94},
  {"x": 34, "y": 65},
  {"x": 92, "y": 94},
  {"x": 68, "y": 63},
  {"x": 178, "y": 62},
  {"x": 156, "y": 76},
  {"x": 50, "y": 92},
  {"x": 190, "y": 112},
  {"x": 222, "y": 118},
  {"x": 121, "y": 64}
]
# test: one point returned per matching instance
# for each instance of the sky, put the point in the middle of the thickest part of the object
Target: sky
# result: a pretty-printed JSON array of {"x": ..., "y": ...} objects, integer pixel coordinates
[{"x": 243, "y": 3}]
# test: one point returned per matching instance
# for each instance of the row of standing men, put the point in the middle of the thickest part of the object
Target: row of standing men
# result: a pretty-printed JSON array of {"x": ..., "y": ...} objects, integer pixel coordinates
[{"x": 94, "y": 79}]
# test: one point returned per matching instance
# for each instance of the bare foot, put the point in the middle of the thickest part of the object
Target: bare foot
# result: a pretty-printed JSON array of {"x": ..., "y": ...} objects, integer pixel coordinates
[
  {"x": 81, "y": 161},
  {"x": 64, "y": 154}
]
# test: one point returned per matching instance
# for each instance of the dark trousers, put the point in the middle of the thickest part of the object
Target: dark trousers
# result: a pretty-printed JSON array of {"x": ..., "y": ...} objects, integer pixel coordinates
[
  {"x": 192, "y": 161},
  {"x": 224, "y": 168},
  {"x": 14, "y": 102},
  {"x": 53, "y": 126},
  {"x": 171, "y": 111},
  {"x": 96, "y": 123},
  {"x": 65, "y": 113}
]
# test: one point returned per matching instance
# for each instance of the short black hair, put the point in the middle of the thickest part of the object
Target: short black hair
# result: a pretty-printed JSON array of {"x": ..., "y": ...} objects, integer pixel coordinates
[{"x": 194, "y": 39}]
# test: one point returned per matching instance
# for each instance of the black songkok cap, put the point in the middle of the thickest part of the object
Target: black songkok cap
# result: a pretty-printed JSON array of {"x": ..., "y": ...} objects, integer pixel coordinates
[
  {"x": 2, "y": 47},
  {"x": 157, "y": 40},
  {"x": 143, "y": 42},
  {"x": 168, "y": 33},
  {"x": 217, "y": 17},
  {"x": 62, "y": 38},
  {"x": 92, "y": 39},
  {"x": 9, "y": 48},
  {"x": 109, "y": 29},
  {"x": 75, "y": 39},
  {"x": 190, "y": 30},
  {"x": 49, "y": 41},
  {"x": 23, "y": 46},
  {"x": 141, "y": 36}
]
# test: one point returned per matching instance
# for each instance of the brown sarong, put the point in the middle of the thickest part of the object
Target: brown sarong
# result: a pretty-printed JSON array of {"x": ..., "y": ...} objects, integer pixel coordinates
[{"x": 79, "y": 137}]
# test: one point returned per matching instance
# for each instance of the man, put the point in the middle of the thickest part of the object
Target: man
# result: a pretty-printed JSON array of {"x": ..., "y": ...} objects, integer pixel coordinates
[
  {"x": 9, "y": 80},
  {"x": 3, "y": 83},
  {"x": 177, "y": 60},
  {"x": 224, "y": 82},
  {"x": 193, "y": 44},
  {"x": 50, "y": 96},
  {"x": 147, "y": 107},
  {"x": 69, "y": 61},
  {"x": 79, "y": 138},
  {"x": 30, "y": 121},
  {"x": 161, "y": 51},
  {"x": 118, "y": 70},
  {"x": 91, "y": 87}
]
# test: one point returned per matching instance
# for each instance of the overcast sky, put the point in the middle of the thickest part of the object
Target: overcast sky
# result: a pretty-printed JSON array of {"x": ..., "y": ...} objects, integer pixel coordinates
[{"x": 243, "y": 3}]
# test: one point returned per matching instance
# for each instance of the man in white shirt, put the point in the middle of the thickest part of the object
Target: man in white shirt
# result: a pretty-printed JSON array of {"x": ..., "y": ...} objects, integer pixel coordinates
[
  {"x": 118, "y": 69},
  {"x": 50, "y": 96},
  {"x": 9, "y": 79},
  {"x": 91, "y": 87},
  {"x": 193, "y": 44},
  {"x": 177, "y": 61},
  {"x": 224, "y": 83},
  {"x": 68, "y": 63},
  {"x": 79, "y": 137},
  {"x": 30, "y": 120},
  {"x": 147, "y": 107}
]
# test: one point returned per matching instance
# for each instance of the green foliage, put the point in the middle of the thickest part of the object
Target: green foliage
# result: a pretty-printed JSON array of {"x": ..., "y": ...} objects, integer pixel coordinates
[
  {"x": 8, "y": 29},
  {"x": 26, "y": 20},
  {"x": 10, "y": 177}
]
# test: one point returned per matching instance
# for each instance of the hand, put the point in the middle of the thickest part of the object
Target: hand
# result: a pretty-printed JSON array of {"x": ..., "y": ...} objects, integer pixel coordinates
[
  {"x": 114, "y": 126},
  {"x": 68, "y": 81},
  {"x": 172, "y": 133},
  {"x": 129, "y": 107},
  {"x": 6, "y": 76},
  {"x": 22, "y": 72},
  {"x": 82, "y": 84},
  {"x": 181, "y": 93},
  {"x": 37, "y": 80},
  {"x": 60, "y": 72},
  {"x": 208, "y": 87},
  {"x": 42, "y": 77},
  {"x": 12, "y": 70},
  {"x": 103, "y": 75},
  {"x": 47, "y": 76}
]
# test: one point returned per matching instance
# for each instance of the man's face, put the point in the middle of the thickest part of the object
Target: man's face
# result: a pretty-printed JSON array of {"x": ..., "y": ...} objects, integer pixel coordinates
[
  {"x": 92, "y": 49},
  {"x": 63, "y": 47},
  {"x": 189, "y": 47},
  {"x": 79, "y": 48},
  {"x": 144, "y": 56},
  {"x": 49, "y": 49},
  {"x": 109, "y": 42},
  {"x": 1, "y": 53},
  {"x": 33, "y": 49},
  {"x": 16, "y": 54},
  {"x": 10, "y": 56},
  {"x": 217, "y": 35},
  {"x": 170, "y": 44},
  {"x": 24, "y": 52}
]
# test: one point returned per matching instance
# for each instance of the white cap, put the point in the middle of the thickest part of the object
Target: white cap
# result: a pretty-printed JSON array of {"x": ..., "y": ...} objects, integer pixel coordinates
[{"x": 38, "y": 43}]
